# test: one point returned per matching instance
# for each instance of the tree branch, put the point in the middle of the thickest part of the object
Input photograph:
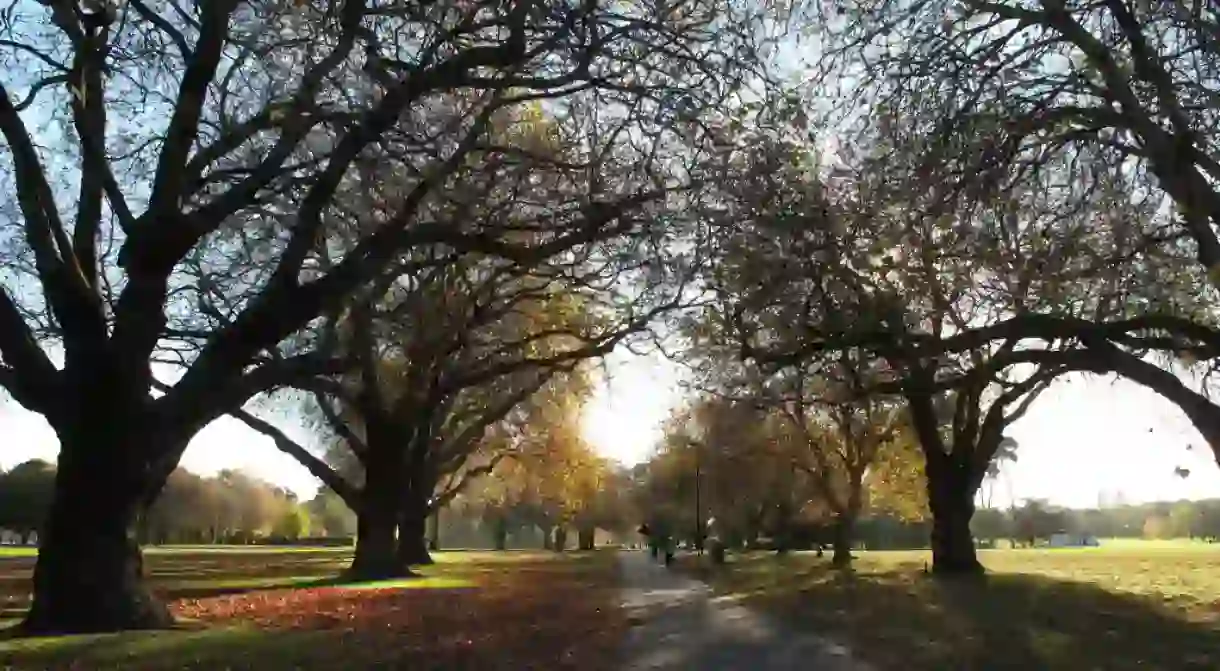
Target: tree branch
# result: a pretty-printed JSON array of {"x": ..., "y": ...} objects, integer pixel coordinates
[{"x": 317, "y": 467}]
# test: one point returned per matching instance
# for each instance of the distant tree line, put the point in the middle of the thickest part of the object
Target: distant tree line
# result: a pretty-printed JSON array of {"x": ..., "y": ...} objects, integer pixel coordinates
[
  {"x": 1035, "y": 521},
  {"x": 229, "y": 507},
  {"x": 521, "y": 504}
]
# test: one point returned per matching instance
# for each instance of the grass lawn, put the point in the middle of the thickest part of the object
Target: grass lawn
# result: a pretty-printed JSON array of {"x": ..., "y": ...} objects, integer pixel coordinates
[
  {"x": 1111, "y": 608},
  {"x": 267, "y": 610}
]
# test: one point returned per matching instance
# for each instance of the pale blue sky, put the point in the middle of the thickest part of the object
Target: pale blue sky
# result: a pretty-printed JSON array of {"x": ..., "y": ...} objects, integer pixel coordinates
[{"x": 1084, "y": 437}]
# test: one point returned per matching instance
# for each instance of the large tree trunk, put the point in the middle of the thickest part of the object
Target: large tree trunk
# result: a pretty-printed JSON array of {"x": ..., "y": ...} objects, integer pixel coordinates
[
  {"x": 377, "y": 519},
  {"x": 951, "y": 499},
  {"x": 586, "y": 537},
  {"x": 376, "y": 551},
  {"x": 413, "y": 513},
  {"x": 499, "y": 533},
  {"x": 783, "y": 531},
  {"x": 845, "y": 522},
  {"x": 844, "y": 531},
  {"x": 89, "y": 576},
  {"x": 413, "y": 537}
]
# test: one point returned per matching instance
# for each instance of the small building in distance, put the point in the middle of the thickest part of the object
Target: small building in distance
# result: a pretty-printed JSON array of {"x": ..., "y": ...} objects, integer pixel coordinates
[{"x": 1065, "y": 540}]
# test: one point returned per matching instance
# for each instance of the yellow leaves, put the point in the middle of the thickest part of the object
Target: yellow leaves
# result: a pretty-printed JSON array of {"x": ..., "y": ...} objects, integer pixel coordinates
[
  {"x": 895, "y": 482},
  {"x": 526, "y": 126},
  {"x": 531, "y": 113}
]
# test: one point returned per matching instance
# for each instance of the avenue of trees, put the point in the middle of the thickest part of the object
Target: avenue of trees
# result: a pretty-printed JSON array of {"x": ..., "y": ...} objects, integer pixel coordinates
[
  {"x": 419, "y": 225},
  {"x": 212, "y": 201},
  {"x": 1016, "y": 191}
]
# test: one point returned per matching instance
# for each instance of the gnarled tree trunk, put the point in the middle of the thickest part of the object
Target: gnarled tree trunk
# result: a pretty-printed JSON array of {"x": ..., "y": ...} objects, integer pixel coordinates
[
  {"x": 951, "y": 500},
  {"x": 413, "y": 513},
  {"x": 89, "y": 576},
  {"x": 376, "y": 521},
  {"x": 413, "y": 537},
  {"x": 376, "y": 550}
]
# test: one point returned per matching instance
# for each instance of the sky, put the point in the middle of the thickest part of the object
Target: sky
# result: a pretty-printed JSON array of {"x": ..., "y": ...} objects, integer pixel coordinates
[{"x": 1086, "y": 439}]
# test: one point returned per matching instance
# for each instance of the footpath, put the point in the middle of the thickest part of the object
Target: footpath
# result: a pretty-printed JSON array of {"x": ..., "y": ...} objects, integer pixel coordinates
[{"x": 679, "y": 625}]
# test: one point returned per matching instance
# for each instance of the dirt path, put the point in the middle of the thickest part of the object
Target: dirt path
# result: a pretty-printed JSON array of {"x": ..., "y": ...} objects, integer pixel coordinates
[{"x": 678, "y": 625}]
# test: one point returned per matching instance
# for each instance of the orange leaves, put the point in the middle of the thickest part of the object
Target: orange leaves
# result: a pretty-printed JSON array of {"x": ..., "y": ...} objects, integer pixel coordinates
[
  {"x": 473, "y": 611},
  {"x": 520, "y": 616}
]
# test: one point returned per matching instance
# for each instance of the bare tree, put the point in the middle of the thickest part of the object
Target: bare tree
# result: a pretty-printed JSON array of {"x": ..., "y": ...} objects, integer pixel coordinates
[
  {"x": 452, "y": 351},
  {"x": 1006, "y": 92},
  {"x": 182, "y": 200}
]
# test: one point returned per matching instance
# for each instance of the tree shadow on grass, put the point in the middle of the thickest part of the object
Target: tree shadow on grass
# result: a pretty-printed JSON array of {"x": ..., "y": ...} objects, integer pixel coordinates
[{"x": 904, "y": 619}]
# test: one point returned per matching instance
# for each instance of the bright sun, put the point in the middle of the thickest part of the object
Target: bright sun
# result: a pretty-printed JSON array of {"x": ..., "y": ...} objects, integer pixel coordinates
[{"x": 624, "y": 418}]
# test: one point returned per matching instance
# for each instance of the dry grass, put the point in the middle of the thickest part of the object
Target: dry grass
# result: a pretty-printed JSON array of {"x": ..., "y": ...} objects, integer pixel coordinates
[
  {"x": 1113, "y": 609},
  {"x": 273, "y": 611}
]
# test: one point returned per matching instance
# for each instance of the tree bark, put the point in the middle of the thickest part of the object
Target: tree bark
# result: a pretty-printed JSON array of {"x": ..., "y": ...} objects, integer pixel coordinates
[
  {"x": 845, "y": 521},
  {"x": 783, "y": 532},
  {"x": 499, "y": 533},
  {"x": 951, "y": 499},
  {"x": 376, "y": 552},
  {"x": 413, "y": 512},
  {"x": 561, "y": 539},
  {"x": 90, "y": 573},
  {"x": 377, "y": 519},
  {"x": 844, "y": 531},
  {"x": 585, "y": 538},
  {"x": 413, "y": 537}
]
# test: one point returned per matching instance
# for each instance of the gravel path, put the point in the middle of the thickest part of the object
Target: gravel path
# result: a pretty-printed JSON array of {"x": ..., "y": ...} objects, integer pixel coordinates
[{"x": 678, "y": 625}]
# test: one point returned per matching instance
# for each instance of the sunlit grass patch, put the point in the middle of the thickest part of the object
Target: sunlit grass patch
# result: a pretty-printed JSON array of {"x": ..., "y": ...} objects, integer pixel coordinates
[
  {"x": 419, "y": 582},
  {"x": 17, "y": 551},
  {"x": 245, "y": 549}
]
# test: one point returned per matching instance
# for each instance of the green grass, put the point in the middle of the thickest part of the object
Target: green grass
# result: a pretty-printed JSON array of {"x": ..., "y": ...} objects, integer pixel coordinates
[
  {"x": 425, "y": 582},
  {"x": 1143, "y": 544},
  {"x": 17, "y": 551},
  {"x": 25, "y": 551},
  {"x": 1130, "y": 606},
  {"x": 268, "y": 610}
]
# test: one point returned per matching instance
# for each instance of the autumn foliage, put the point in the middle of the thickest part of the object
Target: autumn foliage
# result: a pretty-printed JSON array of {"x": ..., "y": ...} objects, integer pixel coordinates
[{"x": 276, "y": 610}]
